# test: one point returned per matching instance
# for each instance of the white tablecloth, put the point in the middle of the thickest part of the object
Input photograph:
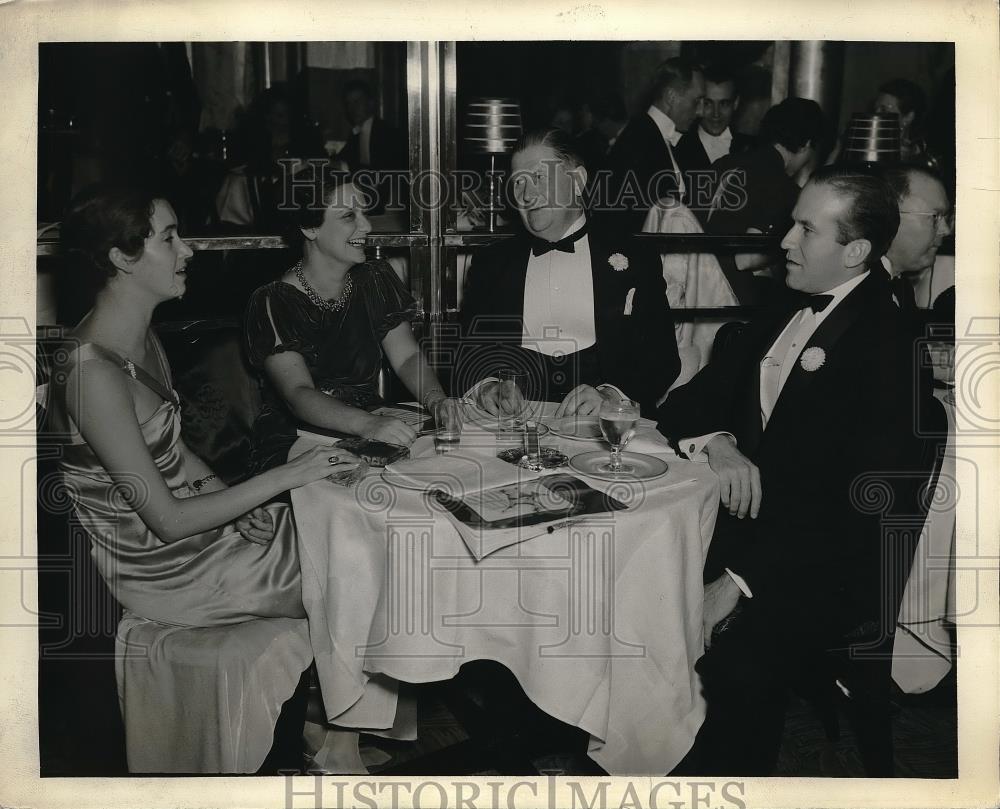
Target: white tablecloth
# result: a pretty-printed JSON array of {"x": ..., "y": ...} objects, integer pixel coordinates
[
  {"x": 922, "y": 653},
  {"x": 600, "y": 622}
]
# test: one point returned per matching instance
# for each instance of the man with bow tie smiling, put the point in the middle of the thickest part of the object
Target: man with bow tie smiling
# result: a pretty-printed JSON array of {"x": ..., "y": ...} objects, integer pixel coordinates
[
  {"x": 583, "y": 313},
  {"x": 804, "y": 415}
]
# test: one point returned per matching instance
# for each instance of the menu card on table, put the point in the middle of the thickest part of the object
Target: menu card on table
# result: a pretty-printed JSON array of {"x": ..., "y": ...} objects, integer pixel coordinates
[{"x": 493, "y": 504}]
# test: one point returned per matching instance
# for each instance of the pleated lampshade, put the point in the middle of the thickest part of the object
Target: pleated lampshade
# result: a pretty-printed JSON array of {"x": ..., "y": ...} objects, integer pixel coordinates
[
  {"x": 872, "y": 138},
  {"x": 492, "y": 125}
]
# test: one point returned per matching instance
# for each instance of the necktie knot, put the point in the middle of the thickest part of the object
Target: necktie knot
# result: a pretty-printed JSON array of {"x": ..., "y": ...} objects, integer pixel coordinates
[
  {"x": 819, "y": 302},
  {"x": 539, "y": 247}
]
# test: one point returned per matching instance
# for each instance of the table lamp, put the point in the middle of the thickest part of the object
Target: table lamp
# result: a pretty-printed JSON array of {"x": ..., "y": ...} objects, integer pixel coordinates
[
  {"x": 872, "y": 138},
  {"x": 492, "y": 127}
]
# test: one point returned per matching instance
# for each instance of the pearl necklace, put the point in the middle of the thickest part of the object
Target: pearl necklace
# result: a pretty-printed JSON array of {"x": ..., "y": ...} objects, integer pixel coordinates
[{"x": 334, "y": 305}]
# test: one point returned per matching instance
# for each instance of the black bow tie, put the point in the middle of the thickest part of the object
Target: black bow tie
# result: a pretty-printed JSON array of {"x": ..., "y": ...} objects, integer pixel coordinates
[
  {"x": 818, "y": 302},
  {"x": 903, "y": 291},
  {"x": 539, "y": 247}
]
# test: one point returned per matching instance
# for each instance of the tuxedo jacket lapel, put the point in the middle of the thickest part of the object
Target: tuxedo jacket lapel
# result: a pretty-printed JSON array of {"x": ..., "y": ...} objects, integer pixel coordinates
[
  {"x": 825, "y": 338},
  {"x": 598, "y": 263},
  {"x": 518, "y": 273}
]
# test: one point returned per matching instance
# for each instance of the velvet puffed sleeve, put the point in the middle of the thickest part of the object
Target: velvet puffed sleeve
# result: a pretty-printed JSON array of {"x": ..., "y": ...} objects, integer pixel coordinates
[
  {"x": 276, "y": 321},
  {"x": 388, "y": 301}
]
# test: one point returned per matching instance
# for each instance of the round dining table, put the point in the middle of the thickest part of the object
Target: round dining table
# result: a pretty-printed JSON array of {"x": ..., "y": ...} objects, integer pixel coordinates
[{"x": 599, "y": 619}]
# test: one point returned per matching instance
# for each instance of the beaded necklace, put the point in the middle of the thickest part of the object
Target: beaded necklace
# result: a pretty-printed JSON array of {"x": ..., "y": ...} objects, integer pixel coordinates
[{"x": 334, "y": 305}]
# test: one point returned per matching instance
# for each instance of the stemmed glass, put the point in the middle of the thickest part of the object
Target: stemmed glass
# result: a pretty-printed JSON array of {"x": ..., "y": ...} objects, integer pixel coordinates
[{"x": 618, "y": 422}]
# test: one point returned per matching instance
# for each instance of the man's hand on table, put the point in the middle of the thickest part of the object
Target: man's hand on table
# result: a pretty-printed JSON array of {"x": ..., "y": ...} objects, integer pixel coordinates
[
  {"x": 447, "y": 413},
  {"x": 497, "y": 400},
  {"x": 721, "y": 597},
  {"x": 583, "y": 400},
  {"x": 740, "y": 479}
]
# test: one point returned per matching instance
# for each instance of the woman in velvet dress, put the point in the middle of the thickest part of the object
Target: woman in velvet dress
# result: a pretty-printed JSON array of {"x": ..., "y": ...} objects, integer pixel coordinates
[{"x": 320, "y": 332}]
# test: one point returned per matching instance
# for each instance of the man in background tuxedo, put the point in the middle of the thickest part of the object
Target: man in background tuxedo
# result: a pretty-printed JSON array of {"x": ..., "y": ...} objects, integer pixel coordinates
[
  {"x": 643, "y": 163},
  {"x": 804, "y": 415},
  {"x": 925, "y": 221},
  {"x": 374, "y": 145},
  {"x": 754, "y": 191},
  {"x": 712, "y": 138},
  {"x": 583, "y": 312}
]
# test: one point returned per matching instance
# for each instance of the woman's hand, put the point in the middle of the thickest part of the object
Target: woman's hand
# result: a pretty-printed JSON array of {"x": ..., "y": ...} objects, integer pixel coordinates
[
  {"x": 256, "y": 526},
  {"x": 393, "y": 431},
  {"x": 447, "y": 414},
  {"x": 313, "y": 464}
]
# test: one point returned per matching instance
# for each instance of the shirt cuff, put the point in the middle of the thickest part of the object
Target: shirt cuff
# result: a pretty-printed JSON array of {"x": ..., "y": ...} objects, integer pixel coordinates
[
  {"x": 694, "y": 448},
  {"x": 470, "y": 394},
  {"x": 741, "y": 583},
  {"x": 621, "y": 396}
]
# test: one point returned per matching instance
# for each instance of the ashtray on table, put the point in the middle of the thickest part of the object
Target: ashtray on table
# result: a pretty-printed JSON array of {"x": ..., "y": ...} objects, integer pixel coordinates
[{"x": 548, "y": 458}]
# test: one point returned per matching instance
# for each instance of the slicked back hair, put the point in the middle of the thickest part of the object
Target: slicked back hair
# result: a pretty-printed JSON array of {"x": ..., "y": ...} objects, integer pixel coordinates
[
  {"x": 873, "y": 213},
  {"x": 676, "y": 73}
]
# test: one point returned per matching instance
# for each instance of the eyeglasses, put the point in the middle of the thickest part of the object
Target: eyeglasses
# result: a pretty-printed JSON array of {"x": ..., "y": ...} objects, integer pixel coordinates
[{"x": 946, "y": 219}]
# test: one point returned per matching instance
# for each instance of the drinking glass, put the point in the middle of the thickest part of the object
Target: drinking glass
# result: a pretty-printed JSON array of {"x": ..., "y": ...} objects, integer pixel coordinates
[
  {"x": 447, "y": 439},
  {"x": 618, "y": 421},
  {"x": 510, "y": 399}
]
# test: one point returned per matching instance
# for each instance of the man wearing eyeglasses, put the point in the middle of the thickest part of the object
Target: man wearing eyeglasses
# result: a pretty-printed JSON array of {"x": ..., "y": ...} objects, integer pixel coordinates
[{"x": 925, "y": 221}]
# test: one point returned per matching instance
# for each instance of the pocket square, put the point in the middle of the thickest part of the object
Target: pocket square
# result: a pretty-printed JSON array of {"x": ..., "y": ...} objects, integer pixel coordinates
[{"x": 628, "y": 301}]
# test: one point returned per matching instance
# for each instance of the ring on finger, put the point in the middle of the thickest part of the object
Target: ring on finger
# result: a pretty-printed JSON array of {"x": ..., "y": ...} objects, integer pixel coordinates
[{"x": 333, "y": 459}]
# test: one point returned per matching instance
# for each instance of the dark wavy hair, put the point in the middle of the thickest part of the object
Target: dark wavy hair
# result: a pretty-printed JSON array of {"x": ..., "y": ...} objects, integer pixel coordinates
[
  {"x": 307, "y": 195},
  {"x": 795, "y": 122},
  {"x": 873, "y": 213},
  {"x": 100, "y": 218}
]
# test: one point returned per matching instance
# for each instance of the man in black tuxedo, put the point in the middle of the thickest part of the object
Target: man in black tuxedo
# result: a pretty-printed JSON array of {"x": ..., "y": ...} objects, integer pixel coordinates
[
  {"x": 754, "y": 191},
  {"x": 807, "y": 415},
  {"x": 374, "y": 145},
  {"x": 581, "y": 311},
  {"x": 712, "y": 138},
  {"x": 643, "y": 164}
]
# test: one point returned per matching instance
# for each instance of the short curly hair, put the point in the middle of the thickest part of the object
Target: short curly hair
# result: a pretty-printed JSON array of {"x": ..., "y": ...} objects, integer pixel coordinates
[{"x": 101, "y": 218}]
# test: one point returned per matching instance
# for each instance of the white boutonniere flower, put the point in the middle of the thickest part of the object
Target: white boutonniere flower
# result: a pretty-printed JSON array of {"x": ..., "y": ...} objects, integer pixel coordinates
[
  {"x": 812, "y": 359},
  {"x": 618, "y": 262}
]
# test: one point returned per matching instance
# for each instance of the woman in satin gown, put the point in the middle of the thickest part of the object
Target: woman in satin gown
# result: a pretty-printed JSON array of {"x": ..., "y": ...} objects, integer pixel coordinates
[{"x": 173, "y": 542}]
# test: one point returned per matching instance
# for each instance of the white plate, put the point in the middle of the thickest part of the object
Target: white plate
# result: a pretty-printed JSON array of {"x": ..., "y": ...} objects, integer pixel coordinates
[
  {"x": 579, "y": 428},
  {"x": 646, "y": 467}
]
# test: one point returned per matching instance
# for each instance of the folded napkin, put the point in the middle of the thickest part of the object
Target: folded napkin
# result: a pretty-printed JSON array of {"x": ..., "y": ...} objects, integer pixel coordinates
[{"x": 457, "y": 473}]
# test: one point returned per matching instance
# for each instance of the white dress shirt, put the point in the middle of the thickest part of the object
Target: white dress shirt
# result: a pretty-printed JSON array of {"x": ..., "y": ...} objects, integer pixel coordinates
[
  {"x": 716, "y": 146},
  {"x": 559, "y": 299},
  {"x": 671, "y": 137},
  {"x": 798, "y": 331}
]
